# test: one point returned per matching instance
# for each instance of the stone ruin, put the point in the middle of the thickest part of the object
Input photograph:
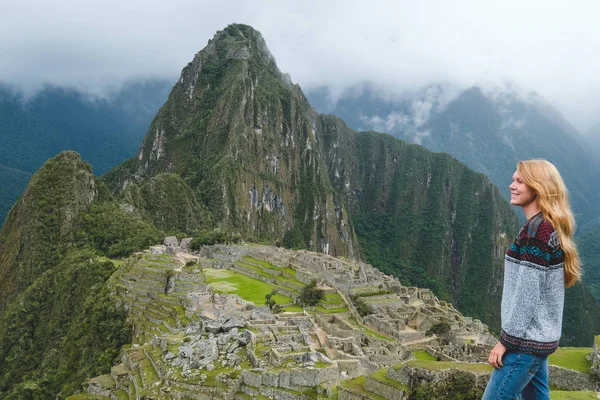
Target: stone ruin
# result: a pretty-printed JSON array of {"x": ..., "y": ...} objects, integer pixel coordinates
[{"x": 190, "y": 339}]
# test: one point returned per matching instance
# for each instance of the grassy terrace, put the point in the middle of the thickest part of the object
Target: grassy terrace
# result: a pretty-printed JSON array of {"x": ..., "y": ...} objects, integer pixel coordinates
[
  {"x": 332, "y": 298},
  {"x": 441, "y": 365},
  {"x": 249, "y": 289},
  {"x": 564, "y": 395},
  {"x": 423, "y": 355},
  {"x": 266, "y": 264},
  {"x": 381, "y": 376},
  {"x": 331, "y": 310},
  {"x": 357, "y": 385},
  {"x": 572, "y": 358},
  {"x": 259, "y": 265}
]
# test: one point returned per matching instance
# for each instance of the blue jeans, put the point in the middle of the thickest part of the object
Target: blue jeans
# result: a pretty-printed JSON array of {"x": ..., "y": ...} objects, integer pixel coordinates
[{"x": 523, "y": 376}]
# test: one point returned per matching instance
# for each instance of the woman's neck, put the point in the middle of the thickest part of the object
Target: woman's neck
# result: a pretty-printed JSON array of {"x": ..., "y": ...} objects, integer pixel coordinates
[{"x": 531, "y": 209}]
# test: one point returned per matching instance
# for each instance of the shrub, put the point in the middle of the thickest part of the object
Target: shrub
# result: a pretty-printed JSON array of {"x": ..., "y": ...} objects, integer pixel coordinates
[{"x": 310, "y": 295}]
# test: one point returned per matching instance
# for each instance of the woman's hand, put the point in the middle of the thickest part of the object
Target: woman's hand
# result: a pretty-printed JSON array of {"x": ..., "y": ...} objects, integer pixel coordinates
[{"x": 495, "y": 358}]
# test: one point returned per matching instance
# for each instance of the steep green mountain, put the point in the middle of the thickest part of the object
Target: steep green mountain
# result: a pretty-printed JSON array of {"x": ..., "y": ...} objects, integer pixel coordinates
[
  {"x": 246, "y": 141},
  {"x": 489, "y": 131},
  {"x": 589, "y": 247},
  {"x": 104, "y": 131},
  {"x": 58, "y": 324}
]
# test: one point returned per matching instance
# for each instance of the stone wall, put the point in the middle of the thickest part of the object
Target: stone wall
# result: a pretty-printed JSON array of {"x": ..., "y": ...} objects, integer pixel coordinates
[
  {"x": 596, "y": 360},
  {"x": 389, "y": 392},
  {"x": 567, "y": 379}
]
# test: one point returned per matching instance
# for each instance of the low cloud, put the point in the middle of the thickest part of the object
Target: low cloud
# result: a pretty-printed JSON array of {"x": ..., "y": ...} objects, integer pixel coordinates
[{"x": 402, "y": 46}]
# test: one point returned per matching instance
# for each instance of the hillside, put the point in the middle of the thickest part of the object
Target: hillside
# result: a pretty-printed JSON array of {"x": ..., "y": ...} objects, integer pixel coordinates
[{"x": 106, "y": 131}]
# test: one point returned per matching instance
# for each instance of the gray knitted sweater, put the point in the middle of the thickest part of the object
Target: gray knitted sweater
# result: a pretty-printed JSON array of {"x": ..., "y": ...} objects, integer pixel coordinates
[{"x": 533, "y": 295}]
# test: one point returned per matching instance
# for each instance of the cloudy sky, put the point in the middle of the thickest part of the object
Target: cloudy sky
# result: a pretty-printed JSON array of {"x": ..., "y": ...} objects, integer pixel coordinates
[{"x": 400, "y": 45}]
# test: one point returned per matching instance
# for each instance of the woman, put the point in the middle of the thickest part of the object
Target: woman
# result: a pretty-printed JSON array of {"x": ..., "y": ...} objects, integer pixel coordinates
[{"x": 538, "y": 265}]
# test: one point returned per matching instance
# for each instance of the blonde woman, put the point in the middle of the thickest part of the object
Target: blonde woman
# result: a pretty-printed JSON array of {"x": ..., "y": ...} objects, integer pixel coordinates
[{"x": 539, "y": 264}]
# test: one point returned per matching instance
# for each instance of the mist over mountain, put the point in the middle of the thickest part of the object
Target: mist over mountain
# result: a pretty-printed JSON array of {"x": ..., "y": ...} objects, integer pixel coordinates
[
  {"x": 489, "y": 130},
  {"x": 593, "y": 138},
  {"x": 105, "y": 131}
]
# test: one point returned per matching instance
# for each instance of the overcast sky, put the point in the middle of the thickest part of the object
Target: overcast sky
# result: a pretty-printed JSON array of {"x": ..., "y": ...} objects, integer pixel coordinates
[{"x": 549, "y": 46}]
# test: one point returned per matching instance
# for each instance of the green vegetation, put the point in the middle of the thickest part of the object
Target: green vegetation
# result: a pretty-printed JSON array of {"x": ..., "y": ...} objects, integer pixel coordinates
[
  {"x": 572, "y": 358},
  {"x": 441, "y": 365},
  {"x": 564, "y": 395},
  {"x": 362, "y": 307},
  {"x": 249, "y": 289},
  {"x": 115, "y": 232},
  {"x": 589, "y": 248},
  {"x": 310, "y": 295},
  {"x": 368, "y": 331},
  {"x": 381, "y": 376},
  {"x": 459, "y": 386},
  {"x": 358, "y": 385},
  {"x": 213, "y": 237},
  {"x": 439, "y": 329},
  {"x": 423, "y": 355},
  {"x": 270, "y": 302},
  {"x": 45, "y": 339}
]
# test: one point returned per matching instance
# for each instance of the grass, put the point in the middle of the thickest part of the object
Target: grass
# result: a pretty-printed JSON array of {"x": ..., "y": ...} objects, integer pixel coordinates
[
  {"x": 572, "y": 358},
  {"x": 86, "y": 396},
  {"x": 381, "y": 376},
  {"x": 441, "y": 365},
  {"x": 106, "y": 381},
  {"x": 122, "y": 395},
  {"x": 423, "y": 355},
  {"x": 564, "y": 395},
  {"x": 148, "y": 372},
  {"x": 358, "y": 385},
  {"x": 331, "y": 310},
  {"x": 117, "y": 263},
  {"x": 293, "y": 308},
  {"x": 247, "y": 288},
  {"x": 267, "y": 264},
  {"x": 368, "y": 331},
  {"x": 256, "y": 269}
]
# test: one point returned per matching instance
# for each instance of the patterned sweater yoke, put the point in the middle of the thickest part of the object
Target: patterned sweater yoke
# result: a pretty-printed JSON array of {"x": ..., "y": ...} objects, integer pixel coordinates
[{"x": 533, "y": 293}]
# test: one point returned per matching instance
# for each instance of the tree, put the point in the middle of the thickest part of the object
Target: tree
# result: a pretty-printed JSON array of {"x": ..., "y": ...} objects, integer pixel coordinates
[
  {"x": 310, "y": 295},
  {"x": 273, "y": 306},
  {"x": 362, "y": 307}
]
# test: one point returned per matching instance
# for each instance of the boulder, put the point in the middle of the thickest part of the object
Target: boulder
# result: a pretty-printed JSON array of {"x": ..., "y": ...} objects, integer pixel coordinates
[
  {"x": 232, "y": 323},
  {"x": 213, "y": 326}
]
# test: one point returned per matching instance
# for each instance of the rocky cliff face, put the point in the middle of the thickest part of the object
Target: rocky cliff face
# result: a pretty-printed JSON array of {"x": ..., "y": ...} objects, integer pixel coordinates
[{"x": 245, "y": 139}]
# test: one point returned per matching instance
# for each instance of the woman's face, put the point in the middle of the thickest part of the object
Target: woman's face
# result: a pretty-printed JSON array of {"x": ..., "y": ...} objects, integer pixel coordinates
[{"x": 520, "y": 194}]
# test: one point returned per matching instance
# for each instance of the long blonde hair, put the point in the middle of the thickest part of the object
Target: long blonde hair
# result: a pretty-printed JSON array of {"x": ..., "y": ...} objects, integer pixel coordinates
[{"x": 553, "y": 201}]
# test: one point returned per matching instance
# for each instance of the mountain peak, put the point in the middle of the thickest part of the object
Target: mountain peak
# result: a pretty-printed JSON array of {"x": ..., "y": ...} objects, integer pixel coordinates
[{"x": 236, "y": 42}]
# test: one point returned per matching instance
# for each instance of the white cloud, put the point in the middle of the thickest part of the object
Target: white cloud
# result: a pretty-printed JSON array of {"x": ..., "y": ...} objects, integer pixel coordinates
[{"x": 401, "y": 46}]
